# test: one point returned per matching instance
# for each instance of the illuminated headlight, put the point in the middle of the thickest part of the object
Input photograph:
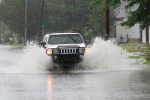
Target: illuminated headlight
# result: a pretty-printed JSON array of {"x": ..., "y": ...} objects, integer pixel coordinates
[
  {"x": 49, "y": 51},
  {"x": 81, "y": 50},
  {"x": 86, "y": 50}
]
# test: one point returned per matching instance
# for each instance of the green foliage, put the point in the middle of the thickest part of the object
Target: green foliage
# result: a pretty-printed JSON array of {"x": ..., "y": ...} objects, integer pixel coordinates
[
  {"x": 97, "y": 19},
  {"x": 12, "y": 13},
  {"x": 147, "y": 62},
  {"x": 111, "y": 3},
  {"x": 59, "y": 15},
  {"x": 69, "y": 15},
  {"x": 134, "y": 47},
  {"x": 5, "y": 36},
  {"x": 134, "y": 57},
  {"x": 14, "y": 44},
  {"x": 141, "y": 15}
]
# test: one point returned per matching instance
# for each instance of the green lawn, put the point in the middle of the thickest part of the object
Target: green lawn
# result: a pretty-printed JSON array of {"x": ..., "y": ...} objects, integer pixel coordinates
[
  {"x": 14, "y": 44},
  {"x": 147, "y": 62},
  {"x": 134, "y": 47},
  {"x": 134, "y": 57},
  {"x": 137, "y": 47}
]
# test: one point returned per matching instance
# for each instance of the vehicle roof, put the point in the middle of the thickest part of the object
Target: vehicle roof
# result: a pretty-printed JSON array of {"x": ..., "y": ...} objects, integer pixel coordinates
[
  {"x": 62, "y": 33},
  {"x": 59, "y": 34}
]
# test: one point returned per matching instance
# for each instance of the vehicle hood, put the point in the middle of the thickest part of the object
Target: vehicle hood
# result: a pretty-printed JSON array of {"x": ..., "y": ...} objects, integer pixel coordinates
[{"x": 65, "y": 45}]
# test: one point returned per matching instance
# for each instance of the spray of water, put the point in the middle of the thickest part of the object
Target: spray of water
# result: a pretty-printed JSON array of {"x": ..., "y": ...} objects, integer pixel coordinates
[
  {"x": 34, "y": 59},
  {"x": 105, "y": 55}
]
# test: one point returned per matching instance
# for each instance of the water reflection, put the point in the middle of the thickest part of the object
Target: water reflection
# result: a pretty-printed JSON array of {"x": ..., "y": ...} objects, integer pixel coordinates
[
  {"x": 49, "y": 83},
  {"x": 128, "y": 85}
]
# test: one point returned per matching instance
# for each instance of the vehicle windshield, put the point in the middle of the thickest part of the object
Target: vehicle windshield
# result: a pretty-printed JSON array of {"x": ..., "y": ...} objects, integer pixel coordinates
[{"x": 65, "y": 39}]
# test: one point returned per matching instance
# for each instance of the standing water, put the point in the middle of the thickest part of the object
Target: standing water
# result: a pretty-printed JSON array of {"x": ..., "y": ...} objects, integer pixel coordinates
[
  {"x": 106, "y": 75},
  {"x": 102, "y": 56}
]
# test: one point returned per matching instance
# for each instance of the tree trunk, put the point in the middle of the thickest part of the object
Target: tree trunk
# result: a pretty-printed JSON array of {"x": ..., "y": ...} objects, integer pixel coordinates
[
  {"x": 106, "y": 22},
  {"x": 40, "y": 24},
  {"x": 25, "y": 19}
]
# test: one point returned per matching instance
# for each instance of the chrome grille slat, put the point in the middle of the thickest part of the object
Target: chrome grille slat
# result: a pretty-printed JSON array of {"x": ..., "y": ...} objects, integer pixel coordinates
[{"x": 68, "y": 51}]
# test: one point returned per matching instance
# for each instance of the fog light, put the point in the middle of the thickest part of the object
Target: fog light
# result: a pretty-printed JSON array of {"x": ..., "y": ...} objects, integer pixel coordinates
[
  {"x": 81, "y": 56},
  {"x": 55, "y": 57}
]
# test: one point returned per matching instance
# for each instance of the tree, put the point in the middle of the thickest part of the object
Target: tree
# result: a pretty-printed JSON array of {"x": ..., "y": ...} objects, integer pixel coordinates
[
  {"x": 141, "y": 15},
  {"x": 105, "y": 11},
  {"x": 58, "y": 15},
  {"x": 106, "y": 21},
  {"x": 97, "y": 20},
  {"x": 12, "y": 15},
  {"x": 12, "y": 12},
  {"x": 69, "y": 15}
]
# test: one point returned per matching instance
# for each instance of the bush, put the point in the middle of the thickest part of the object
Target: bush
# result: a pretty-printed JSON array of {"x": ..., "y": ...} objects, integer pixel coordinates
[{"x": 5, "y": 36}]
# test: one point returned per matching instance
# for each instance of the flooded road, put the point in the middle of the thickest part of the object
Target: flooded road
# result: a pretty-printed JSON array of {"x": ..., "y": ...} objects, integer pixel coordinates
[{"x": 23, "y": 76}]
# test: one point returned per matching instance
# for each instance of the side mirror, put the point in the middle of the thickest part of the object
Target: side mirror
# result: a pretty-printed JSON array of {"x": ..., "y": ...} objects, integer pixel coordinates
[{"x": 43, "y": 44}]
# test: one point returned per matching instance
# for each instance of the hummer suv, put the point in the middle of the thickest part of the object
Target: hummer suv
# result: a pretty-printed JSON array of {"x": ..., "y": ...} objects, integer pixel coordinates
[{"x": 65, "y": 49}]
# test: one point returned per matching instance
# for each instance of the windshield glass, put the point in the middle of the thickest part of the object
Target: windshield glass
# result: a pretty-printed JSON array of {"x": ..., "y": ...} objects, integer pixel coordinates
[{"x": 65, "y": 39}]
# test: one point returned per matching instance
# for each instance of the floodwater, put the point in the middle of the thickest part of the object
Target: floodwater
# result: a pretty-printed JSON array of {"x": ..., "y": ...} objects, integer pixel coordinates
[{"x": 105, "y": 75}]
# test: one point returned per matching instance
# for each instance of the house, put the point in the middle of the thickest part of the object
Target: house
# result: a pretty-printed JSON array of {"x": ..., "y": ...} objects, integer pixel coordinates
[
  {"x": 146, "y": 35},
  {"x": 125, "y": 34}
]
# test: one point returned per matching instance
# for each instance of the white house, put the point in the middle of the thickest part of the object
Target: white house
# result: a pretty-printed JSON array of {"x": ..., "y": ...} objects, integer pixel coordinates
[
  {"x": 124, "y": 34},
  {"x": 146, "y": 35}
]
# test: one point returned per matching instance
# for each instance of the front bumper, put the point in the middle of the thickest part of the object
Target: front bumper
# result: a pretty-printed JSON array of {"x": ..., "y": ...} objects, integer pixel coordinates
[
  {"x": 67, "y": 55},
  {"x": 67, "y": 58}
]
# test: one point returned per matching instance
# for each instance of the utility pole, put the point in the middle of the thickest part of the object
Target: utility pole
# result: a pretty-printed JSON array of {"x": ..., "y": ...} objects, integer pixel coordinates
[
  {"x": 41, "y": 20},
  {"x": 106, "y": 22},
  {"x": 25, "y": 30}
]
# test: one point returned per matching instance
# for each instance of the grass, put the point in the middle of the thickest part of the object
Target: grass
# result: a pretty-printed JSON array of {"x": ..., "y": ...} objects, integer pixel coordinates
[
  {"x": 134, "y": 57},
  {"x": 127, "y": 44},
  {"x": 147, "y": 62},
  {"x": 134, "y": 47},
  {"x": 137, "y": 47},
  {"x": 14, "y": 44}
]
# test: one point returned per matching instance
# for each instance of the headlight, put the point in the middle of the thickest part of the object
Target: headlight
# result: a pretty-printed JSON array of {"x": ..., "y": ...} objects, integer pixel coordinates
[
  {"x": 86, "y": 50},
  {"x": 49, "y": 51}
]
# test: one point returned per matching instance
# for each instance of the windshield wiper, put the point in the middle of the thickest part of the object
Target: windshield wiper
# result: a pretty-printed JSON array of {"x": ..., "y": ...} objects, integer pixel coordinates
[{"x": 73, "y": 39}]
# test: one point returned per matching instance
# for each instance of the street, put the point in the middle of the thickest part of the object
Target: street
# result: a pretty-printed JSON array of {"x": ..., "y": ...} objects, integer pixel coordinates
[{"x": 30, "y": 79}]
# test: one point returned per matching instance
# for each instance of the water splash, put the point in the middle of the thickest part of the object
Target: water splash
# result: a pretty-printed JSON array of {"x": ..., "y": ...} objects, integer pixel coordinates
[
  {"x": 105, "y": 55},
  {"x": 34, "y": 59}
]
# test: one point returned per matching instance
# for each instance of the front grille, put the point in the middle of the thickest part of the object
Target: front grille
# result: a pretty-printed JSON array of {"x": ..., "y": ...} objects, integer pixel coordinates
[{"x": 68, "y": 51}]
